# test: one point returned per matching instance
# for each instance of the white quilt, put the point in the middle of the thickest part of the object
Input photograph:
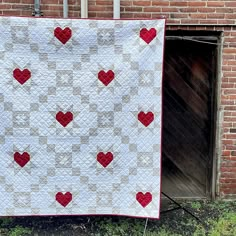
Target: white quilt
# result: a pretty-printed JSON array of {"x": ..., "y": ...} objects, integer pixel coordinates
[{"x": 80, "y": 116}]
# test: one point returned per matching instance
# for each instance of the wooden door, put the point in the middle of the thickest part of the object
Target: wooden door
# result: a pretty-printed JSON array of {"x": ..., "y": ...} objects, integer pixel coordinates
[{"x": 189, "y": 77}]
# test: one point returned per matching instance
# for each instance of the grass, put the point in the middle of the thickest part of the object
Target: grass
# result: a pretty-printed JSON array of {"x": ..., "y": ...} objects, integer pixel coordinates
[{"x": 217, "y": 219}]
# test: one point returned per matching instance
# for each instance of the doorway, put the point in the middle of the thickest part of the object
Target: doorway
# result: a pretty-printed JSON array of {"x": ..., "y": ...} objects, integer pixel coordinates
[{"x": 189, "y": 87}]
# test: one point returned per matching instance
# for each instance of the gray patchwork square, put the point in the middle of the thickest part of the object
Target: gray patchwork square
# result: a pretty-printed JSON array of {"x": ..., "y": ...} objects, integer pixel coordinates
[
  {"x": 21, "y": 119},
  {"x": 75, "y": 171},
  {"x": 145, "y": 159},
  {"x": 22, "y": 199},
  {"x": 105, "y": 37},
  {"x": 76, "y": 91},
  {"x": 64, "y": 78},
  {"x": 105, "y": 119},
  {"x": 34, "y": 107},
  {"x": 1, "y": 97},
  {"x": 52, "y": 91},
  {"x": 118, "y": 107},
  {"x": 146, "y": 78},
  {"x": 51, "y": 172},
  {"x": 2, "y": 139},
  {"x": 104, "y": 199},
  {"x": 63, "y": 160},
  {"x": 85, "y": 99},
  {"x": 20, "y": 34},
  {"x": 84, "y": 139},
  {"x": 85, "y": 58},
  {"x": 93, "y": 107},
  {"x": 8, "y": 106}
]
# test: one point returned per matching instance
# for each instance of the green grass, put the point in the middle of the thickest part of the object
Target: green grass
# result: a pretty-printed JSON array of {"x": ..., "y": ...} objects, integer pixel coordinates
[{"x": 217, "y": 219}]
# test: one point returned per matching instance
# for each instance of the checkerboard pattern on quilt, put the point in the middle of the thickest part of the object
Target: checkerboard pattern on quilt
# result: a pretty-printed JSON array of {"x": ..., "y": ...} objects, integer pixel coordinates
[{"x": 80, "y": 124}]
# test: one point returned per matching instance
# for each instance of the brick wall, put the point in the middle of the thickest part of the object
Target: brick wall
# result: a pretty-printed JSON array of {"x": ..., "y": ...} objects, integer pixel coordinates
[{"x": 214, "y": 15}]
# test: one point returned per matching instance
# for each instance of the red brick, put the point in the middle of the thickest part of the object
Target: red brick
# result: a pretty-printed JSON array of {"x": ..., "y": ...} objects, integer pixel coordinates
[
  {"x": 224, "y": 10},
  {"x": 229, "y": 50},
  {"x": 233, "y": 97},
  {"x": 230, "y": 108},
  {"x": 92, "y": 15},
  {"x": 104, "y": 14},
  {"x": 229, "y": 164},
  {"x": 230, "y": 4},
  {"x": 190, "y": 21},
  {"x": 199, "y": 16},
  {"x": 13, "y": 1},
  {"x": 125, "y": 3},
  {"x": 46, "y": 1},
  {"x": 227, "y": 102},
  {"x": 233, "y": 153},
  {"x": 225, "y": 153},
  {"x": 228, "y": 169},
  {"x": 226, "y": 68},
  {"x": 70, "y": 2},
  {"x": 228, "y": 190},
  {"x": 225, "y": 22},
  {"x": 215, "y": 16},
  {"x": 6, "y": 6},
  {"x": 188, "y": 9},
  {"x": 206, "y": 10},
  {"x": 100, "y": 8},
  {"x": 169, "y": 9},
  {"x": 11, "y": 13},
  {"x": 142, "y": 15},
  {"x": 173, "y": 21},
  {"x": 230, "y": 147},
  {"x": 134, "y": 9},
  {"x": 126, "y": 15},
  {"x": 52, "y": 7},
  {"x": 232, "y": 62},
  {"x": 230, "y": 91},
  {"x": 197, "y": 4},
  {"x": 207, "y": 22},
  {"x": 178, "y": 15},
  {"x": 151, "y": 9},
  {"x": 52, "y": 13},
  {"x": 157, "y": 16},
  {"x": 104, "y": 2},
  {"x": 160, "y": 3},
  {"x": 230, "y": 16},
  {"x": 179, "y": 4},
  {"x": 141, "y": 3},
  {"x": 228, "y": 180},
  {"x": 228, "y": 175},
  {"x": 74, "y": 8},
  {"x": 216, "y": 4}
]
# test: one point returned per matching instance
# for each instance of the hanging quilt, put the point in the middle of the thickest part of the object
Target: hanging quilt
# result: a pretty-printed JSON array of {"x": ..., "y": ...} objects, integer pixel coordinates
[{"x": 80, "y": 116}]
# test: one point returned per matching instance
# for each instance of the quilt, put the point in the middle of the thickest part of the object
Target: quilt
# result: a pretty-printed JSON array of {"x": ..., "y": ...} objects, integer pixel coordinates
[{"x": 80, "y": 116}]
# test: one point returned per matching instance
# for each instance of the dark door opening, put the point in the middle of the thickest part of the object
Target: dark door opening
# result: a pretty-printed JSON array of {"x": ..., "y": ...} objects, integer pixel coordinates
[{"x": 188, "y": 118}]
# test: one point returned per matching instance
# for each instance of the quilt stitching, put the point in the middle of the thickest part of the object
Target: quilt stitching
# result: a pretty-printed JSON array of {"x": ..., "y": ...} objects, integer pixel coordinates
[{"x": 80, "y": 126}]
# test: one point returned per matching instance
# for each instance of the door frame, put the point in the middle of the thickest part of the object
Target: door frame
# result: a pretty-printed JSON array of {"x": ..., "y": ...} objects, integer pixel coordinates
[{"x": 215, "y": 38}]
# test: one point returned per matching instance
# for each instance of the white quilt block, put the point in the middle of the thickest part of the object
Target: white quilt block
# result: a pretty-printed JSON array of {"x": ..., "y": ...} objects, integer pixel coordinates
[{"x": 80, "y": 124}]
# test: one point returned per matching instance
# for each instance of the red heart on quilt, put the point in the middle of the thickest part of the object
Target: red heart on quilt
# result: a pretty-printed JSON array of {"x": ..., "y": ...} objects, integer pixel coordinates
[
  {"x": 104, "y": 159},
  {"x": 106, "y": 77},
  {"x": 21, "y": 159},
  {"x": 63, "y": 35},
  {"x": 146, "y": 118},
  {"x": 64, "y": 119},
  {"x": 144, "y": 199},
  {"x": 148, "y": 35},
  {"x": 64, "y": 199},
  {"x": 21, "y": 76}
]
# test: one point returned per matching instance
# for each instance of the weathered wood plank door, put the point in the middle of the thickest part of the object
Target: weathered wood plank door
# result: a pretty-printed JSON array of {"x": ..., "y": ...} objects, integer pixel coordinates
[{"x": 189, "y": 77}]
